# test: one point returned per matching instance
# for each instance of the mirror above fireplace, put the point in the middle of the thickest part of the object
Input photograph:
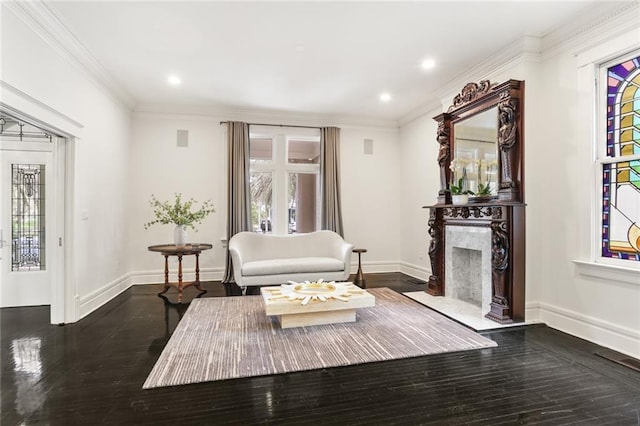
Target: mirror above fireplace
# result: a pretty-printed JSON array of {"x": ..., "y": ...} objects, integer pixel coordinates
[
  {"x": 475, "y": 148},
  {"x": 481, "y": 139}
]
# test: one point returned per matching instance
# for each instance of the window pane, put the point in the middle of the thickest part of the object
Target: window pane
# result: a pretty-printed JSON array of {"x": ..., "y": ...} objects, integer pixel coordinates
[
  {"x": 261, "y": 201},
  {"x": 27, "y": 217},
  {"x": 621, "y": 180},
  {"x": 306, "y": 152},
  {"x": 260, "y": 150},
  {"x": 621, "y": 210},
  {"x": 623, "y": 109},
  {"x": 303, "y": 202}
]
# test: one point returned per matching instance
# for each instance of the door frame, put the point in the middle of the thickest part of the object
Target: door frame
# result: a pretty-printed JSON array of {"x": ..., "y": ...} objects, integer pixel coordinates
[{"x": 64, "y": 295}]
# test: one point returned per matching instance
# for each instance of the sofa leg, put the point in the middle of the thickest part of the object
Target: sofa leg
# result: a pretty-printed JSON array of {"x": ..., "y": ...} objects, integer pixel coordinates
[
  {"x": 252, "y": 290},
  {"x": 232, "y": 289}
]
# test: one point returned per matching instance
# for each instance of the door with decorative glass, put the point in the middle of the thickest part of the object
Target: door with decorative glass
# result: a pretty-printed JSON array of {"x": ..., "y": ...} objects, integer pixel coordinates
[{"x": 27, "y": 220}]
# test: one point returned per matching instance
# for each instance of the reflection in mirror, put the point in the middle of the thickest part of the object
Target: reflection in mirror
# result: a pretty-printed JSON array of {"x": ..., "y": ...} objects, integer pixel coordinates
[{"x": 475, "y": 159}]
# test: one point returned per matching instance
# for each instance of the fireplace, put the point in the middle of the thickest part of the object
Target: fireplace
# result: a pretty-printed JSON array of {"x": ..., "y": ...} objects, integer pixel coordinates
[
  {"x": 468, "y": 265},
  {"x": 481, "y": 141},
  {"x": 497, "y": 231}
]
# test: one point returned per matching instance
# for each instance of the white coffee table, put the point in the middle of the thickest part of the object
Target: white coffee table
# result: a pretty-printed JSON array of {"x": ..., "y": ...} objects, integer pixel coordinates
[{"x": 301, "y": 306}]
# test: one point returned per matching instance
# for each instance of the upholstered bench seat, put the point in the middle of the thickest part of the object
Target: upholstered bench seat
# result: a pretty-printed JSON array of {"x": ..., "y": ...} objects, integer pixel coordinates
[
  {"x": 264, "y": 259},
  {"x": 291, "y": 266}
]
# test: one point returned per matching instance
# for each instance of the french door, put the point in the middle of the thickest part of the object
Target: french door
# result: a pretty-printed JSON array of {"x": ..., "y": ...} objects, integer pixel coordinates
[{"x": 27, "y": 226}]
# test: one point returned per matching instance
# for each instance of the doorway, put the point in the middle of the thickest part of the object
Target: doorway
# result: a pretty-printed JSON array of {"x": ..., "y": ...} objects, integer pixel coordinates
[{"x": 31, "y": 217}]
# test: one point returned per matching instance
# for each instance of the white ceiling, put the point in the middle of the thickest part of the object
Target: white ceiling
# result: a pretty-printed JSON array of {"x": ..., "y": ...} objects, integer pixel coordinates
[{"x": 320, "y": 58}]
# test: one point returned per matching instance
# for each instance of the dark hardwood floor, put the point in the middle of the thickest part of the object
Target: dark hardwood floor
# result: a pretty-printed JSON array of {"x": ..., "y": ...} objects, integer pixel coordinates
[{"x": 92, "y": 372}]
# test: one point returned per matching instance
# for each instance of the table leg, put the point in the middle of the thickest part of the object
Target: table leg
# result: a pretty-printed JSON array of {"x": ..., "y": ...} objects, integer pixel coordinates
[
  {"x": 197, "y": 281},
  {"x": 360, "y": 281},
  {"x": 179, "y": 278},
  {"x": 166, "y": 275}
]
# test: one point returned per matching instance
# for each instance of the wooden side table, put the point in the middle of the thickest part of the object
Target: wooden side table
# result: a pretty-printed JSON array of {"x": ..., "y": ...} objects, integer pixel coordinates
[
  {"x": 360, "y": 281},
  {"x": 172, "y": 250}
]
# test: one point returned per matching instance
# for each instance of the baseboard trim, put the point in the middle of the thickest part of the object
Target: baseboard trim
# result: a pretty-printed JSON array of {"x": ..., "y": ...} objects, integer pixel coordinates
[
  {"x": 532, "y": 311},
  {"x": 92, "y": 301},
  {"x": 376, "y": 267},
  {"x": 415, "y": 271},
  {"x": 157, "y": 276},
  {"x": 604, "y": 333}
]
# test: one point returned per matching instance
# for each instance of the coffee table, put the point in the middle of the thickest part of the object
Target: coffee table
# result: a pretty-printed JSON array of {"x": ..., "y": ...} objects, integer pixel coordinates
[{"x": 298, "y": 305}]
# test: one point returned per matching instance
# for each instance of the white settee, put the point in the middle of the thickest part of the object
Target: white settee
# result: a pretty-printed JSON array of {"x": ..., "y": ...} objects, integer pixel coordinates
[{"x": 264, "y": 259}]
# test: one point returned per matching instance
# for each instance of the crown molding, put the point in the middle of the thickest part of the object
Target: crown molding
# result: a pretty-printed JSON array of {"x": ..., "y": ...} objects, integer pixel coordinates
[
  {"x": 264, "y": 116},
  {"x": 523, "y": 50},
  {"x": 39, "y": 17},
  {"x": 601, "y": 23}
]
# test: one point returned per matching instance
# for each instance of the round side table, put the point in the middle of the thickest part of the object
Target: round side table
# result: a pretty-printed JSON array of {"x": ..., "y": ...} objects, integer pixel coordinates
[
  {"x": 360, "y": 281},
  {"x": 180, "y": 251}
]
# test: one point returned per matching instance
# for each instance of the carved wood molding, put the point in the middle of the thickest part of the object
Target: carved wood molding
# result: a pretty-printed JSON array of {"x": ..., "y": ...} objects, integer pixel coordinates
[
  {"x": 499, "y": 247},
  {"x": 478, "y": 212},
  {"x": 434, "y": 244},
  {"x": 443, "y": 140},
  {"x": 507, "y": 139},
  {"x": 435, "y": 285},
  {"x": 470, "y": 92},
  {"x": 500, "y": 306}
]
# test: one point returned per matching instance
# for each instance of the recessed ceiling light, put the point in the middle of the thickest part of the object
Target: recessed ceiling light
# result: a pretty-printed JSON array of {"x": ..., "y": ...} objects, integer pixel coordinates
[
  {"x": 427, "y": 64},
  {"x": 174, "y": 80},
  {"x": 385, "y": 97}
]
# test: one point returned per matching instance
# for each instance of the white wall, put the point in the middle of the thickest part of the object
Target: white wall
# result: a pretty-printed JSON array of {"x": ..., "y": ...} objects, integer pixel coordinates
[
  {"x": 161, "y": 168},
  {"x": 420, "y": 185},
  {"x": 45, "y": 80},
  {"x": 371, "y": 194},
  {"x": 370, "y": 189}
]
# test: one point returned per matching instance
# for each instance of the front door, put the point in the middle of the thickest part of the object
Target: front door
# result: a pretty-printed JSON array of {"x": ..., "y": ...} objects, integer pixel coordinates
[{"x": 27, "y": 224}]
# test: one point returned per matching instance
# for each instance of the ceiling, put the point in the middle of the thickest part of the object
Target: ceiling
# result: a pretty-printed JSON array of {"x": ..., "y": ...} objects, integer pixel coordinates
[{"x": 317, "y": 58}]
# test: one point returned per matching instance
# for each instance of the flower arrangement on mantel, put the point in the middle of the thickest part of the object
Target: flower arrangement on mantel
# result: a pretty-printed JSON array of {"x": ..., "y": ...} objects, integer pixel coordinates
[{"x": 178, "y": 212}]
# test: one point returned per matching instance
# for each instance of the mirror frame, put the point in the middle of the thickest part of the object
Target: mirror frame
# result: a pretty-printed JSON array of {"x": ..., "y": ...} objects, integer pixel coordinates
[{"x": 474, "y": 99}]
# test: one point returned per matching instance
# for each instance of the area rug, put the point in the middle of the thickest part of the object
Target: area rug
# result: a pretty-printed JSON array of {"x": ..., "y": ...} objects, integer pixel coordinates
[{"x": 231, "y": 337}]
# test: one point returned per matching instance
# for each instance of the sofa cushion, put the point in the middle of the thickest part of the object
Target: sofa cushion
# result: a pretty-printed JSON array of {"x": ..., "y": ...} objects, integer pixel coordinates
[{"x": 291, "y": 266}]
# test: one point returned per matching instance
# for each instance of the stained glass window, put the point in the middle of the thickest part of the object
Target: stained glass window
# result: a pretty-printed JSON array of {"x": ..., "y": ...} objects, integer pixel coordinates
[
  {"x": 28, "y": 221},
  {"x": 621, "y": 166}
]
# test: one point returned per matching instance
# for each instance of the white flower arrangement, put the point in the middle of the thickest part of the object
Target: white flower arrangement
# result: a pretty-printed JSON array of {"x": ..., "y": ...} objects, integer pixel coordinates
[{"x": 465, "y": 171}]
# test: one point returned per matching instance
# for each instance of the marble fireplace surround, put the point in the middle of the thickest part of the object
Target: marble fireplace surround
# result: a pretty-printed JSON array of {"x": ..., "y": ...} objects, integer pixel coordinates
[{"x": 468, "y": 265}]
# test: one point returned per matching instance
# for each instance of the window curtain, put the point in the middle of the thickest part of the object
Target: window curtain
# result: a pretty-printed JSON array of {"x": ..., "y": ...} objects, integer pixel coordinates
[
  {"x": 238, "y": 195},
  {"x": 331, "y": 210}
]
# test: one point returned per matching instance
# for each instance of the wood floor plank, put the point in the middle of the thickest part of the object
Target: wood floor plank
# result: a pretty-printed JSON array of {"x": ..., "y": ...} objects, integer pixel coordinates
[{"x": 92, "y": 373}]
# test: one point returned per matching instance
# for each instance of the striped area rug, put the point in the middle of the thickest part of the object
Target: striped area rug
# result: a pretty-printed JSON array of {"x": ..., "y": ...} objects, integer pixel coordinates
[{"x": 230, "y": 337}]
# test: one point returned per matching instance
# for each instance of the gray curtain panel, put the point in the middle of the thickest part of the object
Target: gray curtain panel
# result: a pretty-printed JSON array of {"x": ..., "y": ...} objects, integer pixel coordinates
[
  {"x": 331, "y": 214},
  {"x": 238, "y": 195}
]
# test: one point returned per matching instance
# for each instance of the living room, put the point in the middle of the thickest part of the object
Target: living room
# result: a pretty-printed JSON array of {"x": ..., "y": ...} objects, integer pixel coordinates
[{"x": 118, "y": 152}]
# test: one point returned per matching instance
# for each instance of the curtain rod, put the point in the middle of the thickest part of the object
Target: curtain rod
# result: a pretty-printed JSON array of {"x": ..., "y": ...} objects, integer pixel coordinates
[{"x": 277, "y": 125}]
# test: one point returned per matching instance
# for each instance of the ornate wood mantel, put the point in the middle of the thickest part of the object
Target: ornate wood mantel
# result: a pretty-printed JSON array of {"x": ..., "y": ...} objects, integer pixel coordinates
[
  {"x": 504, "y": 213},
  {"x": 507, "y": 224}
]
